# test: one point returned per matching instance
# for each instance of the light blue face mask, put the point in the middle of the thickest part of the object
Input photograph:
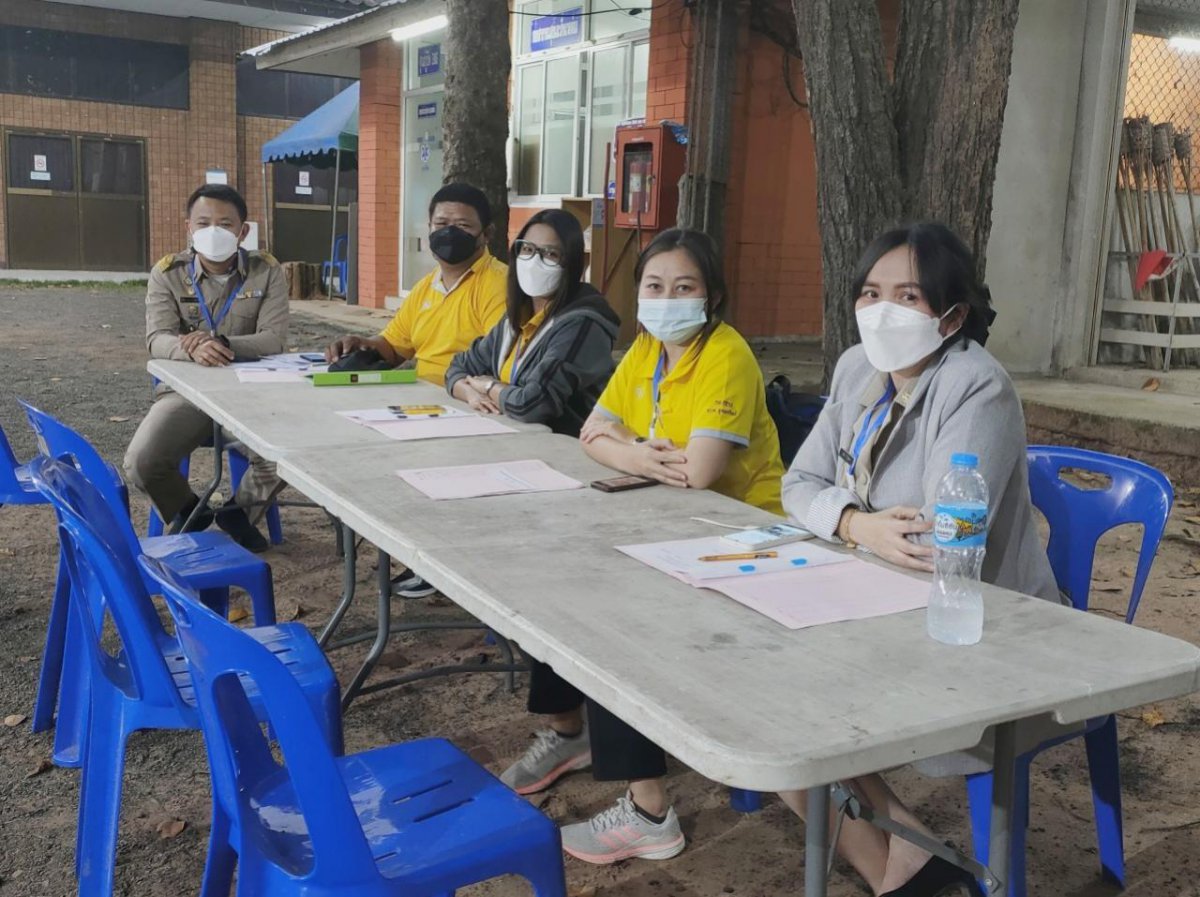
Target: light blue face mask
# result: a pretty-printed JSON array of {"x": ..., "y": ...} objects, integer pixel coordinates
[{"x": 673, "y": 320}]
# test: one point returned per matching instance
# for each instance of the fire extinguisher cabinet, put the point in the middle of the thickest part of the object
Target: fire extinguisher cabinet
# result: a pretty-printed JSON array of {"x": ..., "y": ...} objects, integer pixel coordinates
[{"x": 650, "y": 163}]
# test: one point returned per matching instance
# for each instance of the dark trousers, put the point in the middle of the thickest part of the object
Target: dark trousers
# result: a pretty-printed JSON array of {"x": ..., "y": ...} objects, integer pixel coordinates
[{"x": 619, "y": 752}]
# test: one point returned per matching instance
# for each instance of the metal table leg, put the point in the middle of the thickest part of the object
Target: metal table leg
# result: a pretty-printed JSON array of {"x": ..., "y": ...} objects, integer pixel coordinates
[
  {"x": 218, "y": 473},
  {"x": 1004, "y": 762},
  {"x": 349, "y": 575},
  {"x": 816, "y": 841},
  {"x": 382, "y": 628}
]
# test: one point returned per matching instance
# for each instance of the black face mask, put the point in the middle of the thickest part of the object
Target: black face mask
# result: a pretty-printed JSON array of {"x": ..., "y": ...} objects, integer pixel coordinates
[{"x": 453, "y": 245}]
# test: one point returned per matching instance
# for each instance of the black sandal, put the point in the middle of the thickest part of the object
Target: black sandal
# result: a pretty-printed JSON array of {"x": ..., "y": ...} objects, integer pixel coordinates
[{"x": 935, "y": 878}]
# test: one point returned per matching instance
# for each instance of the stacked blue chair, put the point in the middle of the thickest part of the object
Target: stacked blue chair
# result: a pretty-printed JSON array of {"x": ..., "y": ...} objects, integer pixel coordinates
[
  {"x": 337, "y": 263},
  {"x": 15, "y": 486},
  {"x": 412, "y": 820},
  {"x": 145, "y": 684},
  {"x": 238, "y": 465},
  {"x": 209, "y": 562},
  {"x": 1078, "y": 517}
]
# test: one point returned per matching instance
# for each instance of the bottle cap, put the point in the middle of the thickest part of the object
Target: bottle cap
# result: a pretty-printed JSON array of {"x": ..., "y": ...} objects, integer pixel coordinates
[{"x": 964, "y": 459}]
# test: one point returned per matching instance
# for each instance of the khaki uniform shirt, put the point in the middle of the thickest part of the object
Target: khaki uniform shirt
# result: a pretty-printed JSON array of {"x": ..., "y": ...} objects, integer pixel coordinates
[{"x": 256, "y": 324}]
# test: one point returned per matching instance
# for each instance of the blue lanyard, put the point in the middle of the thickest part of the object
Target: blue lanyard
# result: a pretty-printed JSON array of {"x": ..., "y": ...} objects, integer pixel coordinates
[
  {"x": 208, "y": 318},
  {"x": 656, "y": 385},
  {"x": 873, "y": 423}
]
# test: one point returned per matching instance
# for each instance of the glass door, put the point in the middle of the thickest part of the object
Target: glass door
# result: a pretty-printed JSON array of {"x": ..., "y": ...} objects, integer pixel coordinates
[{"x": 422, "y": 177}]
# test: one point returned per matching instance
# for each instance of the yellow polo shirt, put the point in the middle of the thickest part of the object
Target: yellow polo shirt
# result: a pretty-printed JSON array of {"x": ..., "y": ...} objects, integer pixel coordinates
[
  {"x": 717, "y": 392},
  {"x": 434, "y": 326},
  {"x": 528, "y": 332}
]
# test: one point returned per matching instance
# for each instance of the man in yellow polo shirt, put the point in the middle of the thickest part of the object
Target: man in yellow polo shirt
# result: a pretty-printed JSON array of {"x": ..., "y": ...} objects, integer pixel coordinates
[{"x": 461, "y": 299}]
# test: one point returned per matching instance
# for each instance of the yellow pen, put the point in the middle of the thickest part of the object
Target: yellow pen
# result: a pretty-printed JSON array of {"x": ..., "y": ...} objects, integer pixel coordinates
[{"x": 744, "y": 556}]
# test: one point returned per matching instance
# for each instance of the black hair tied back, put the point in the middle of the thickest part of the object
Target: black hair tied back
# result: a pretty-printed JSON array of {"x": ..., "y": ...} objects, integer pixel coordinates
[{"x": 945, "y": 268}]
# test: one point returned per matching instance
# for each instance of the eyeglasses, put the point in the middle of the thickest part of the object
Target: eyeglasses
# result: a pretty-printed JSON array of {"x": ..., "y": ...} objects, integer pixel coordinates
[{"x": 550, "y": 255}]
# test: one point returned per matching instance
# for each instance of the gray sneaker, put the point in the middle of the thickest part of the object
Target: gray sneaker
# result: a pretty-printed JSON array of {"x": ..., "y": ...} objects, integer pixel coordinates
[
  {"x": 549, "y": 758},
  {"x": 620, "y": 832}
]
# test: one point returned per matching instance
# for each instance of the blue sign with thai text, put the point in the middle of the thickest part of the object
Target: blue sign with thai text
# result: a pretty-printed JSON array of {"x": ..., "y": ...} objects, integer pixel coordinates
[
  {"x": 548, "y": 32},
  {"x": 426, "y": 110},
  {"x": 429, "y": 59}
]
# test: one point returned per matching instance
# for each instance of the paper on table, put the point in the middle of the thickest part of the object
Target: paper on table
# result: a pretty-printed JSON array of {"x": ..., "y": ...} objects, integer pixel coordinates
[
  {"x": 830, "y": 594},
  {"x": 267, "y": 375},
  {"x": 440, "y": 427},
  {"x": 476, "y": 480},
  {"x": 383, "y": 415},
  {"x": 681, "y": 558}
]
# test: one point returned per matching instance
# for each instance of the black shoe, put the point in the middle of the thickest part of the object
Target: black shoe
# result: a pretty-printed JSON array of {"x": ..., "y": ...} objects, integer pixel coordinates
[
  {"x": 234, "y": 521},
  {"x": 935, "y": 879},
  {"x": 409, "y": 585},
  {"x": 202, "y": 522}
]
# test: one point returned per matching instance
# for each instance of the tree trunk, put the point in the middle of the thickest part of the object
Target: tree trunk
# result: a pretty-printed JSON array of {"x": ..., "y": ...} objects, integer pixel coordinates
[
  {"x": 475, "y": 113},
  {"x": 858, "y": 171},
  {"x": 952, "y": 66},
  {"x": 925, "y": 148}
]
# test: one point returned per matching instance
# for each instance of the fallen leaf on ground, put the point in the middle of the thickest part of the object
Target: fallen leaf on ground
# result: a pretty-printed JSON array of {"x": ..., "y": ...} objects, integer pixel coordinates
[
  {"x": 1108, "y": 587},
  {"x": 1128, "y": 572},
  {"x": 1124, "y": 538},
  {"x": 299, "y": 612},
  {"x": 171, "y": 828},
  {"x": 8, "y": 552},
  {"x": 236, "y": 614},
  {"x": 106, "y": 326},
  {"x": 118, "y": 419},
  {"x": 56, "y": 379},
  {"x": 43, "y": 765},
  {"x": 1194, "y": 520},
  {"x": 1153, "y": 717},
  {"x": 14, "y": 720},
  {"x": 583, "y": 891},
  {"x": 40, "y": 358},
  {"x": 1152, "y": 384}
]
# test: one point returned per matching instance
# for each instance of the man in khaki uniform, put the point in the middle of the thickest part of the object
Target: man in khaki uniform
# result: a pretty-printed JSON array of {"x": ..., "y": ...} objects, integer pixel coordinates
[{"x": 242, "y": 315}]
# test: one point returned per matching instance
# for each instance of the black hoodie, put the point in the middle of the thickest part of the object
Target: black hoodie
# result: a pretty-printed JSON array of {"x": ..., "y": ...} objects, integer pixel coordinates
[{"x": 563, "y": 370}]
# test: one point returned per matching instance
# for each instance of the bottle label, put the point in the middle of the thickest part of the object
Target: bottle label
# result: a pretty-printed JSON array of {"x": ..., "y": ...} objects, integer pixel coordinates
[{"x": 958, "y": 526}]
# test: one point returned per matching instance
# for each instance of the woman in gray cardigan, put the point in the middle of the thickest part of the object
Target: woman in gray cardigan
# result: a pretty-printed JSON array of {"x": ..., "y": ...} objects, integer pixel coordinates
[
  {"x": 550, "y": 356},
  {"x": 919, "y": 388}
]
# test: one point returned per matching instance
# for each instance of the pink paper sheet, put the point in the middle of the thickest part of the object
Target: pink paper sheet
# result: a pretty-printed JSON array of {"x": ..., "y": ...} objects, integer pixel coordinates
[
  {"x": 440, "y": 427},
  {"x": 828, "y": 594},
  {"x": 476, "y": 480}
]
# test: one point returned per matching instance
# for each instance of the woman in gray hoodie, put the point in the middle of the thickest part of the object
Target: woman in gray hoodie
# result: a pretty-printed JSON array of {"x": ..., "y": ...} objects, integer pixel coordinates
[
  {"x": 919, "y": 388},
  {"x": 550, "y": 356}
]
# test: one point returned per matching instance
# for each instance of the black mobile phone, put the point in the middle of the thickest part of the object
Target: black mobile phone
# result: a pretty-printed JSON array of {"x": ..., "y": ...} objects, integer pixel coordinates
[
  {"x": 315, "y": 357},
  {"x": 623, "y": 484}
]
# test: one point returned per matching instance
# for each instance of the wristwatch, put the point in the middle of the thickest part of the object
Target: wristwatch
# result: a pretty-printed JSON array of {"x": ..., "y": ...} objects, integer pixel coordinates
[{"x": 492, "y": 384}]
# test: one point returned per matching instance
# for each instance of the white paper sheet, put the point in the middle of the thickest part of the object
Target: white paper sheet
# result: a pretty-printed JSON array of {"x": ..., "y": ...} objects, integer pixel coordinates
[
  {"x": 681, "y": 558},
  {"x": 477, "y": 480},
  {"x": 441, "y": 427}
]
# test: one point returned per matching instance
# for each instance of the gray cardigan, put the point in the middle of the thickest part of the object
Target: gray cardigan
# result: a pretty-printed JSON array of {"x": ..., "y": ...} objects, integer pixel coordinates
[
  {"x": 963, "y": 402},
  {"x": 563, "y": 370}
]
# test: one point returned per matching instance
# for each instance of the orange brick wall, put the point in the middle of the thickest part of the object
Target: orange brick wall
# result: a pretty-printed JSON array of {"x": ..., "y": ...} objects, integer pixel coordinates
[
  {"x": 379, "y": 143},
  {"x": 179, "y": 144},
  {"x": 671, "y": 36}
]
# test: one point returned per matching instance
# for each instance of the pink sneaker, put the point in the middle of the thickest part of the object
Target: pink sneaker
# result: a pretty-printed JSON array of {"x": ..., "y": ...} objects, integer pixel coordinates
[{"x": 620, "y": 832}]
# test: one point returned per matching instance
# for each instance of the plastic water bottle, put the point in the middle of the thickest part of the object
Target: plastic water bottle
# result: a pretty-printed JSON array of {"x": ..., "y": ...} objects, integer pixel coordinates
[{"x": 960, "y": 527}]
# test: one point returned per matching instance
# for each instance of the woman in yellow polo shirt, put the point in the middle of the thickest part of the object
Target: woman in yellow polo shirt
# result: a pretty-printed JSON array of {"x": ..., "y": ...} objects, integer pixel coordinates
[{"x": 687, "y": 407}]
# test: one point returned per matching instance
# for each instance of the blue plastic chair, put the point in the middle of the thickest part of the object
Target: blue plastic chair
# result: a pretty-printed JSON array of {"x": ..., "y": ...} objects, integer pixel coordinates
[
  {"x": 210, "y": 562},
  {"x": 146, "y": 683},
  {"x": 238, "y": 465},
  {"x": 339, "y": 262},
  {"x": 15, "y": 486},
  {"x": 419, "y": 819},
  {"x": 1078, "y": 517}
]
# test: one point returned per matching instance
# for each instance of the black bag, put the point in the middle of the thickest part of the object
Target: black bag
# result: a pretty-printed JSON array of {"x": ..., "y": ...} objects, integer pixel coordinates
[
  {"x": 361, "y": 360},
  {"x": 794, "y": 414}
]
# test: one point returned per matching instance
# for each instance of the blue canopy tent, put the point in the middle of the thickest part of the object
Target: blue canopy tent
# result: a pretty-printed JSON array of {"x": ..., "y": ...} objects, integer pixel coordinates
[{"x": 319, "y": 139}]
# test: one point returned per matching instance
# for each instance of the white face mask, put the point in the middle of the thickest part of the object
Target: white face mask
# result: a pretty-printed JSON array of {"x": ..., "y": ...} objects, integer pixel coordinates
[
  {"x": 673, "y": 320},
  {"x": 896, "y": 337},
  {"x": 215, "y": 243},
  {"x": 537, "y": 278}
]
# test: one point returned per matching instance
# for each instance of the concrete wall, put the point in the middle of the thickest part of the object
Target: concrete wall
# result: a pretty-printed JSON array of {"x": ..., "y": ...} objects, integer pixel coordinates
[{"x": 1054, "y": 178}]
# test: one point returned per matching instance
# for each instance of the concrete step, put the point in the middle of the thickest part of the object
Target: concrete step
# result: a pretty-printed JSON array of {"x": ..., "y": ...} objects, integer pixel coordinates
[{"x": 1160, "y": 428}]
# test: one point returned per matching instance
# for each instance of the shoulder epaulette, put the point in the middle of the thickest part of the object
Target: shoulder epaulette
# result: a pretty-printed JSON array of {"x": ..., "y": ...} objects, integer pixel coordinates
[
  {"x": 164, "y": 263},
  {"x": 266, "y": 257}
]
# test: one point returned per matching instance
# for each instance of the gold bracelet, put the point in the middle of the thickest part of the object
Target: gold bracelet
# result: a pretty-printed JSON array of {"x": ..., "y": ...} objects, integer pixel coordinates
[{"x": 850, "y": 543}]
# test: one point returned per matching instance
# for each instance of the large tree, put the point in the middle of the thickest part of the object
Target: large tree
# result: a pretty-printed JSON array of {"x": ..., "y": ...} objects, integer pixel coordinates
[
  {"x": 920, "y": 144},
  {"x": 475, "y": 114}
]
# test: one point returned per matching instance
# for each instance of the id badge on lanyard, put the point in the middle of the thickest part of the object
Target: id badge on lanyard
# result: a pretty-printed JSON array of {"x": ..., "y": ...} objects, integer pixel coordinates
[
  {"x": 212, "y": 323},
  {"x": 872, "y": 424},
  {"x": 655, "y": 387}
]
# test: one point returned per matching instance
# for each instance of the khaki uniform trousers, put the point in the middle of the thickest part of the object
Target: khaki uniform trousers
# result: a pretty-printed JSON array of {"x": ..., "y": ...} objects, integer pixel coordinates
[{"x": 171, "y": 431}]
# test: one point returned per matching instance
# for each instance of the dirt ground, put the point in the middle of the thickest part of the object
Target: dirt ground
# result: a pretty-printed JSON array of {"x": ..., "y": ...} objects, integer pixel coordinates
[{"x": 79, "y": 354}]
